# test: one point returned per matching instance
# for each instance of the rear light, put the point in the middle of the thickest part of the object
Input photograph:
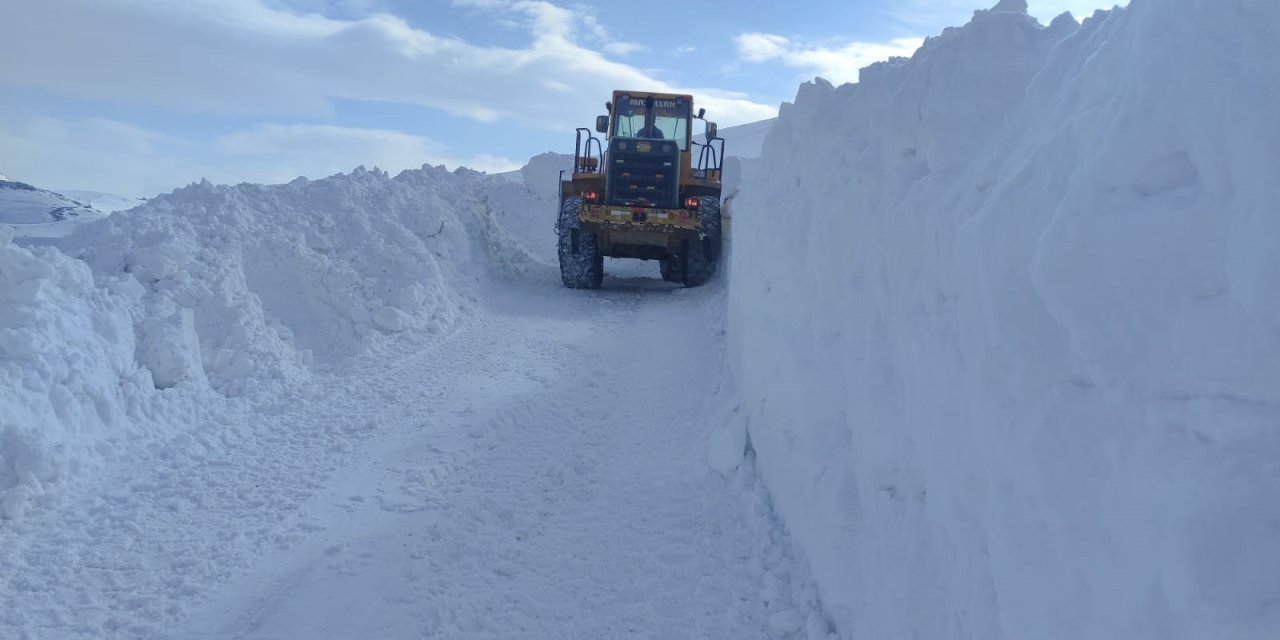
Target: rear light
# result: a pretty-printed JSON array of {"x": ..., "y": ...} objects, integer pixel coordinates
[
  {"x": 590, "y": 196},
  {"x": 692, "y": 203}
]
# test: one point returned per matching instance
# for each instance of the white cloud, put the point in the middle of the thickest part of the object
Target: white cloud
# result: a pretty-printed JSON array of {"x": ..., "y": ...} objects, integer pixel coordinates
[
  {"x": 839, "y": 63},
  {"x": 278, "y": 153},
  {"x": 759, "y": 47},
  {"x": 606, "y": 40},
  {"x": 106, "y": 155},
  {"x": 97, "y": 154},
  {"x": 337, "y": 8},
  {"x": 724, "y": 107},
  {"x": 245, "y": 56},
  {"x": 624, "y": 48},
  {"x": 482, "y": 4},
  {"x": 288, "y": 60}
]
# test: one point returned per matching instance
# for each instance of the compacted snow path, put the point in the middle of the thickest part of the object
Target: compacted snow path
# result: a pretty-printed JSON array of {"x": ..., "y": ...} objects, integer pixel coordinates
[
  {"x": 566, "y": 497},
  {"x": 539, "y": 473}
]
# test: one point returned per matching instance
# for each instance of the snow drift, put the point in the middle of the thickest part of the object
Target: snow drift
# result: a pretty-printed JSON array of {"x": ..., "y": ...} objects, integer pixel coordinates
[
  {"x": 1007, "y": 334},
  {"x": 213, "y": 293}
]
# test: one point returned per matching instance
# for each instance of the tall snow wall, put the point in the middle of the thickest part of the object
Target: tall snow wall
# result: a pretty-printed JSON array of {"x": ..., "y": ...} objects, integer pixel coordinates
[
  {"x": 142, "y": 325},
  {"x": 1005, "y": 323}
]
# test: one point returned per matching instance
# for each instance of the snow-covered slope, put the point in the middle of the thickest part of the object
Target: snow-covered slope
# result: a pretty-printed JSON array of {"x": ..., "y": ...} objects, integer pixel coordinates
[
  {"x": 104, "y": 202},
  {"x": 213, "y": 292},
  {"x": 31, "y": 212},
  {"x": 1005, "y": 324}
]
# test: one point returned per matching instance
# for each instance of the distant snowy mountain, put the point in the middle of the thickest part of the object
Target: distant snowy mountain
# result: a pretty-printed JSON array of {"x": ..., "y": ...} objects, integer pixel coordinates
[
  {"x": 104, "y": 202},
  {"x": 21, "y": 203},
  {"x": 35, "y": 213}
]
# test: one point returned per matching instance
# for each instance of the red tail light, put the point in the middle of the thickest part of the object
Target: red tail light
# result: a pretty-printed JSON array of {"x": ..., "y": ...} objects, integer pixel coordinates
[
  {"x": 692, "y": 203},
  {"x": 590, "y": 196}
]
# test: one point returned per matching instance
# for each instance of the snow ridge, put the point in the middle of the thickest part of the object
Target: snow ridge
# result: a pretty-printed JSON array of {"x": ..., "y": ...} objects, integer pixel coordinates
[
  {"x": 1009, "y": 365},
  {"x": 212, "y": 293}
]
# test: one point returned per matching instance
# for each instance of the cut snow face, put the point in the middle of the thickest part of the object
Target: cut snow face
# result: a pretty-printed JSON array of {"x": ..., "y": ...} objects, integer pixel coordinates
[
  {"x": 1005, "y": 323},
  {"x": 745, "y": 140}
]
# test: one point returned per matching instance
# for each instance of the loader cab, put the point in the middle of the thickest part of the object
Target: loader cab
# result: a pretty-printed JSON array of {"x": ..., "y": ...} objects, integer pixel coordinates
[
  {"x": 651, "y": 117},
  {"x": 632, "y": 115}
]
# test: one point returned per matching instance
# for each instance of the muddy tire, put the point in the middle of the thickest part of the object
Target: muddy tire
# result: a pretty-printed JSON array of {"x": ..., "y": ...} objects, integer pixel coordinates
[{"x": 581, "y": 265}]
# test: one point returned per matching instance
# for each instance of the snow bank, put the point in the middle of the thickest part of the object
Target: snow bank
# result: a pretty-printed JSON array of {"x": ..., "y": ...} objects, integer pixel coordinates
[
  {"x": 228, "y": 291},
  {"x": 1005, "y": 325},
  {"x": 66, "y": 367},
  {"x": 527, "y": 218}
]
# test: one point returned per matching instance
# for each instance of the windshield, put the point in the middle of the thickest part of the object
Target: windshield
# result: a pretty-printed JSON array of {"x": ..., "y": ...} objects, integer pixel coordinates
[{"x": 668, "y": 119}]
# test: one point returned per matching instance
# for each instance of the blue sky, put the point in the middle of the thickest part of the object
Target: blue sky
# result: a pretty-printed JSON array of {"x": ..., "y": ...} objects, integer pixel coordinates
[{"x": 141, "y": 96}]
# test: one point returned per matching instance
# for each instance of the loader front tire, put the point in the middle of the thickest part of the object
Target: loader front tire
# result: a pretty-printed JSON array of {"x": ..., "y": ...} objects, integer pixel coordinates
[
  {"x": 699, "y": 256},
  {"x": 670, "y": 267},
  {"x": 581, "y": 264}
]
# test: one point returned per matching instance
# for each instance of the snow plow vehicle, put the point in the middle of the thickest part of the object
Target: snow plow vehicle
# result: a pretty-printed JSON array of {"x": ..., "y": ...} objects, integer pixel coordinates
[{"x": 648, "y": 191}]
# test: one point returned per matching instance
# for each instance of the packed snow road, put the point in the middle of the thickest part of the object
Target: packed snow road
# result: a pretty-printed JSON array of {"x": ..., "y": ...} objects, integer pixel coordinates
[{"x": 539, "y": 473}]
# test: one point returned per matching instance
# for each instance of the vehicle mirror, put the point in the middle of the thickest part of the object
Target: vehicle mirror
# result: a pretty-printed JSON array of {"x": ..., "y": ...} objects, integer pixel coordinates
[
  {"x": 602, "y": 124},
  {"x": 711, "y": 131}
]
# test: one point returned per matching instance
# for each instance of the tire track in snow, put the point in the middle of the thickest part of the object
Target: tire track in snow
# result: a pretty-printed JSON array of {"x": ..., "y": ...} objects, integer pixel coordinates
[
  {"x": 537, "y": 474},
  {"x": 589, "y": 512}
]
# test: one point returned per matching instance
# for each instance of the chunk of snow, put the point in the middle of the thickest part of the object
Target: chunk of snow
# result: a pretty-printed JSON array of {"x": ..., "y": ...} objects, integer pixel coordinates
[
  {"x": 789, "y": 621},
  {"x": 729, "y": 444},
  {"x": 15, "y": 501},
  {"x": 170, "y": 349},
  {"x": 391, "y": 319}
]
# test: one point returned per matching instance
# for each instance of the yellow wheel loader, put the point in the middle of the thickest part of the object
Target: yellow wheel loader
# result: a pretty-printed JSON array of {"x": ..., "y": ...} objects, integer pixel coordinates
[{"x": 647, "y": 190}]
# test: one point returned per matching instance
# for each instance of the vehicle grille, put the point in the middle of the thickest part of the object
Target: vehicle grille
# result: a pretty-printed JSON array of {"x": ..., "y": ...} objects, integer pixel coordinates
[{"x": 643, "y": 173}]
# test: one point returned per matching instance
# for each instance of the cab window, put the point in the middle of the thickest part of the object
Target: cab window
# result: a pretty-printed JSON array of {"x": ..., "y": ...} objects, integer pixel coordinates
[{"x": 669, "y": 118}]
